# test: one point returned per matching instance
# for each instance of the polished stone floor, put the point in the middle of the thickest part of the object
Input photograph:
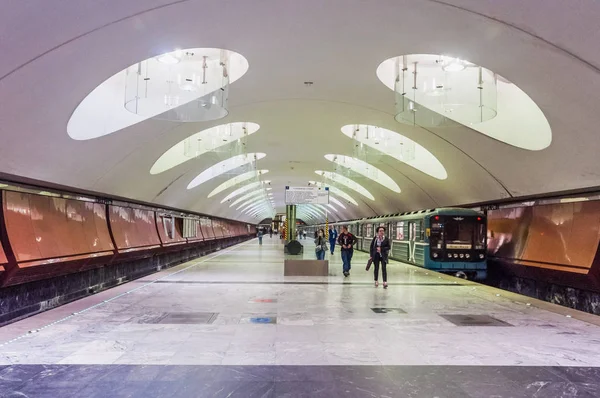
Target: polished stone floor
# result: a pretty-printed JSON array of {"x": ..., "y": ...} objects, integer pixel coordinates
[{"x": 230, "y": 324}]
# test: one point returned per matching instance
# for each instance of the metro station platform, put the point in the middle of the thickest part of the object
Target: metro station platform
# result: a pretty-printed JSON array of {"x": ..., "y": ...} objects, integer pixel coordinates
[{"x": 231, "y": 325}]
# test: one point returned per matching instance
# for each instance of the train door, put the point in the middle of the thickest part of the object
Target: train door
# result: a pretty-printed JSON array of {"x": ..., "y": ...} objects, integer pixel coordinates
[{"x": 412, "y": 238}]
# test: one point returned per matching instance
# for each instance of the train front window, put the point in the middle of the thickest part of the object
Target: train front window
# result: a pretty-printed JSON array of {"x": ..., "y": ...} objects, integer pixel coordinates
[{"x": 459, "y": 231}]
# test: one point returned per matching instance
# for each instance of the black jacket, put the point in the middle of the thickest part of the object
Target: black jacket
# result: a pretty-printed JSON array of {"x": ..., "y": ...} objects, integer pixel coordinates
[
  {"x": 385, "y": 248},
  {"x": 347, "y": 239}
]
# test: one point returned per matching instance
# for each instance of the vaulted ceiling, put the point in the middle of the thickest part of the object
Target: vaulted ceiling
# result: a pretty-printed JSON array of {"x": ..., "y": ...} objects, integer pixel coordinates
[{"x": 53, "y": 54}]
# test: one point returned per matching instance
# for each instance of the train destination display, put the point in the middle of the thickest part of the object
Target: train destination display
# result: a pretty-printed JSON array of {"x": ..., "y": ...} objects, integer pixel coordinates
[{"x": 306, "y": 195}]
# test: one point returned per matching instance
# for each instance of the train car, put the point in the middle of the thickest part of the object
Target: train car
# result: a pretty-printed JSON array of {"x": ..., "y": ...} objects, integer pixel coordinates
[{"x": 448, "y": 240}]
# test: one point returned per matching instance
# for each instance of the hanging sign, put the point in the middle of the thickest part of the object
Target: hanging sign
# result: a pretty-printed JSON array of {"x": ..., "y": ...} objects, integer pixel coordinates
[{"x": 306, "y": 195}]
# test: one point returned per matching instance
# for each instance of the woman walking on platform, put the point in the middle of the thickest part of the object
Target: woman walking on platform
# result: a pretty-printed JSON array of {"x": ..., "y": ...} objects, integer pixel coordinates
[
  {"x": 380, "y": 248},
  {"x": 320, "y": 245}
]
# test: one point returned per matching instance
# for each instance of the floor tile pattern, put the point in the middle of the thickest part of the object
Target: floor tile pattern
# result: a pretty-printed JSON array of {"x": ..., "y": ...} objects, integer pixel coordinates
[{"x": 230, "y": 324}]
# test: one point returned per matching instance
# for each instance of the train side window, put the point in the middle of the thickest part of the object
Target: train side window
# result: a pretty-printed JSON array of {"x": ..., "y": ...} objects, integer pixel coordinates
[
  {"x": 400, "y": 230},
  {"x": 421, "y": 231}
]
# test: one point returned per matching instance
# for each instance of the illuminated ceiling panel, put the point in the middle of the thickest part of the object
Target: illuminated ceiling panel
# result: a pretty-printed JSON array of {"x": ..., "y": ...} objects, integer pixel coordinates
[
  {"x": 249, "y": 195},
  {"x": 466, "y": 94},
  {"x": 243, "y": 189},
  {"x": 365, "y": 169},
  {"x": 102, "y": 111},
  {"x": 336, "y": 201},
  {"x": 340, "y": 179},
  {"x": 258, "y": 207},
  {"x": 397, "y": 146},
  {"x": 224, "y": 167},
  {"x": 236, "y": 180},
  {"x": 336, "y": 191},
  {"x": 203, "y": 142},
  {"x": 253, "y": 200},
  {"x": 332, "y": 207}
]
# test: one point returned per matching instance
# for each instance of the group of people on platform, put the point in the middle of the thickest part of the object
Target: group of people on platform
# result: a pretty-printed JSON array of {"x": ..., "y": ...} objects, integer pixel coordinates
[{"x": 379, "y": 250}]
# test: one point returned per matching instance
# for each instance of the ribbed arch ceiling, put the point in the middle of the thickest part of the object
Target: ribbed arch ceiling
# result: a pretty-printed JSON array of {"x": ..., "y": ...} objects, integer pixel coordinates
[
  {"x": 237, "y": 180},
  {"x": 243, "y": 189},
  {"x": 251, "y": 194},
  {"x": 340, "y": 179},
  {"x": 365, "y": 169},
  {"x": 397, "y": 146},
  {"x": 203, "y": 142},
  {"x": 336, "y": 201},
  {"x": 543, "y": 138},
  {"x": 252, "y": 200},
  {"x": 225, "y": 166}
]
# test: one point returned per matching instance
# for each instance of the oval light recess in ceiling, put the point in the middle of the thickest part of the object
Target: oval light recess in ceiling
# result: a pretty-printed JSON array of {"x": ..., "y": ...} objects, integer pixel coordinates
[
  {"x": 397, "y": 146},
  {"x": 103, "y": 111},
  {"x": 250, "y": 202},
  {"x": 458, "y": 91},
  {"x": 336, "y": 201},
  {"x": 343, "y": 180},
  {"x": 224, "y": 166},
  {"x": 253, "y": 202},
  {"x": 365, "y": 169},
  {"x": 243, "y": 189},
  {"x": 203, "y": 142},
  {"x": 251, "y": 194},
  {"x": 237, "y": 180}
]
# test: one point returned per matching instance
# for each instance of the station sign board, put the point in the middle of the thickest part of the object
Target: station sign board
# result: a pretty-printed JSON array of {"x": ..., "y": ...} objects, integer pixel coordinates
[{"x": 306, "y": 195}]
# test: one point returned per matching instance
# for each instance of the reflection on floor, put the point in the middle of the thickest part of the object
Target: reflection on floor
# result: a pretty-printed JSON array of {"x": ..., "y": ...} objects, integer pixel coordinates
[{"x": 231, "y": 325}]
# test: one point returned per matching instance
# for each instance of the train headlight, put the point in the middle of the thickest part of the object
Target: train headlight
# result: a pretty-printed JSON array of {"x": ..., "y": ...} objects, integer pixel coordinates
[
  {"x": 462, "y": 255},
  {"x": 455, "y": 255},
  {"x": 467, "y": 255},
  {"x": 481, "y": 256},
  {"x": 449, "y": 255},
  {"x": 435, "y": 255}
]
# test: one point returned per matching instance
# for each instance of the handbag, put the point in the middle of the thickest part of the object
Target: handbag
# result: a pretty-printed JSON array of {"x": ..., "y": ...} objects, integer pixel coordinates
[{"x": 369, "y": 263}]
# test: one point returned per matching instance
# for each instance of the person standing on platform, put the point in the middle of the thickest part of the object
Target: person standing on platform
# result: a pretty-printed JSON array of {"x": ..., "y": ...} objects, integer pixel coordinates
[
  {"x": 304, "y": 234},
  {"x": 380, "y": 249},
  {"x": 320, "y": 245},
  {"x": 260, "y": 236},
  {"x": 347, "y": 241},
  {"x": 270, "y": 232},
  {"x": 332, "y": 238}
]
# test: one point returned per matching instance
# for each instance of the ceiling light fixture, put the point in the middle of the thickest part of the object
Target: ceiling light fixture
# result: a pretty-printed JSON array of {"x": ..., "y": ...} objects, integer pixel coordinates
[
  {"x": 224, "y": 167},
  {"x": 438, "y": 91},
  {"x": 365, "y": 169},
  {"x": 236, "y": 180},
  {"x": 252, "y": 194},
  {"x": 202, "y": 142},
  {"x": 397, "y": 146},
  {"x": 243, "y": 189},
  {"x": 180, "y": 86},
  {"x": 346, "y": 182},
  {"x": 170, "y": 58}
]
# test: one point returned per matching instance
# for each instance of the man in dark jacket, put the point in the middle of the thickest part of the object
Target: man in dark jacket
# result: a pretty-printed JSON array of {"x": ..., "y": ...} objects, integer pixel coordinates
[
  {"x": 332, "y": 238},
  {"x": 347, "y": 241},
  {"x": 380, "y": 248}
]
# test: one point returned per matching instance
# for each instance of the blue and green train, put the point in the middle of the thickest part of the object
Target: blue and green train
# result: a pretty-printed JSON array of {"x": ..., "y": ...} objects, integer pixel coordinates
[{"x": 447, "y": 240}]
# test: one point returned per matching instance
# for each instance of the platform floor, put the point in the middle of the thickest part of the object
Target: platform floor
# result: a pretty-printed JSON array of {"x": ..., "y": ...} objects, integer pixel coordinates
[{"x": 231, "y": 325}]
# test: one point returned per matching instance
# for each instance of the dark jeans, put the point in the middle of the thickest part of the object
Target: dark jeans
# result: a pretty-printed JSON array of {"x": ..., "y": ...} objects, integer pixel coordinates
[
  {"x": 320, "y": 255},
  {"x": 376, "y": 260},
  {"x": 346, "y": 258},
  {"x": 331, "y": 245}
]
